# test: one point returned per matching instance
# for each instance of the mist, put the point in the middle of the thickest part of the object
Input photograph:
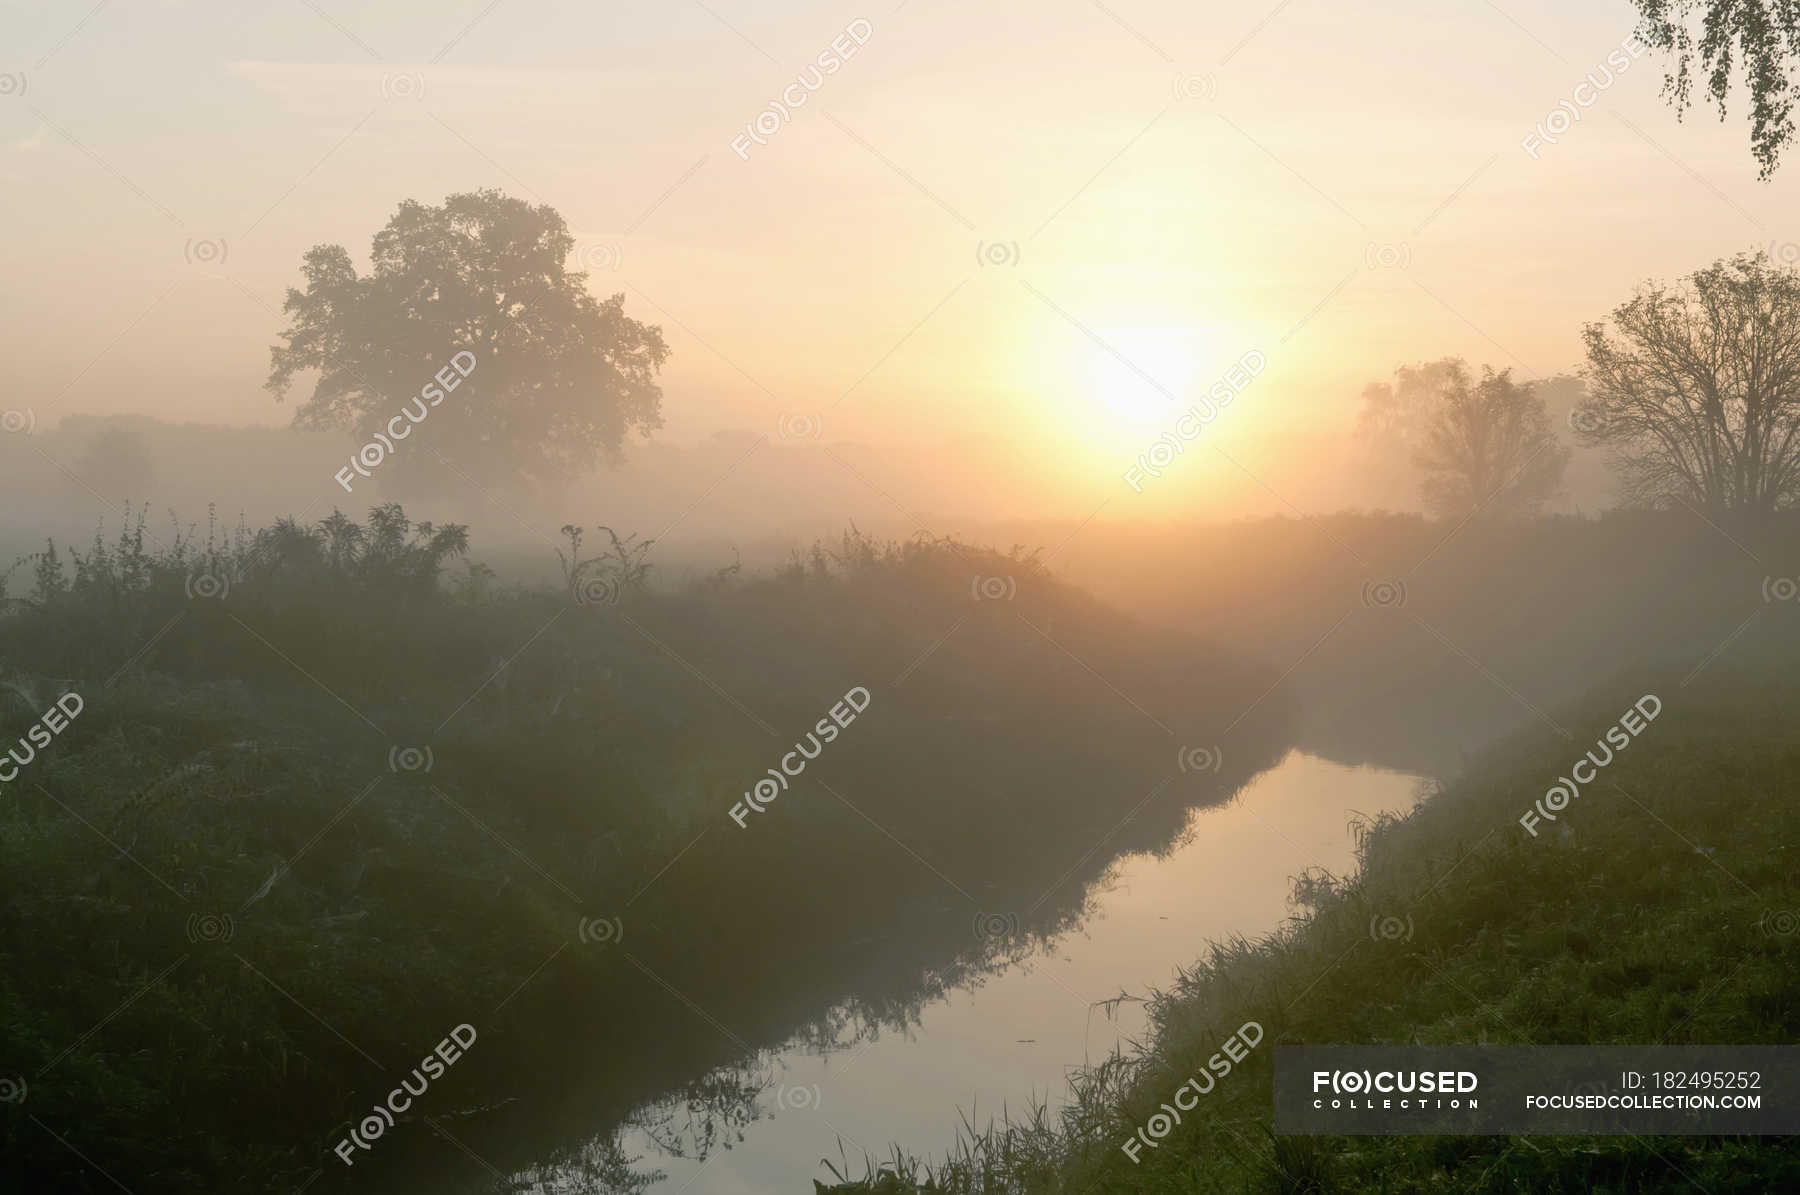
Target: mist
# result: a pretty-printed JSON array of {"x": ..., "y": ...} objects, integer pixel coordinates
[{"x": 776, "y": 598}]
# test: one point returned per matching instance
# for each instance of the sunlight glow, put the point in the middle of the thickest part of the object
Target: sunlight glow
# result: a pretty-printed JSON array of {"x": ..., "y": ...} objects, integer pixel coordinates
[{"x": 1146, "y": 375}]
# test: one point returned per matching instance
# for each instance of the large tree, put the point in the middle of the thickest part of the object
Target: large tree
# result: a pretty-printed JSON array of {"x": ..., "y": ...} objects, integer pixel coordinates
[
  {"x": 1755, "y": 37},
  {"x": 1696, "y": 388},
  {"x": 1482, "y": 446},
  {"x": 556, "y": 378}
]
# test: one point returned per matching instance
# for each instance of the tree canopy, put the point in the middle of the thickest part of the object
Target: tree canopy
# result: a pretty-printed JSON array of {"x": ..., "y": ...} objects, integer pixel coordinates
[
  {"x": 1482, "y": 445},
  {"x": 1696, "y": 388},
  {"x": 558, "y": 379},
  {"x": 1757, "y": 38}
]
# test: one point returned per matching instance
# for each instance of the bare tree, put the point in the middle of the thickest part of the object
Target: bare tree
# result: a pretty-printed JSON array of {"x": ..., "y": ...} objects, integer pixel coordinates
[{"x": 1696, "y": 389}]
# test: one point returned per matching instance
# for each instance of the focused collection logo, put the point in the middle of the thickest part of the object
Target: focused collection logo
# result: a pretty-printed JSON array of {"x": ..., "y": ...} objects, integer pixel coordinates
[{"x": 1404, "y": 1090}]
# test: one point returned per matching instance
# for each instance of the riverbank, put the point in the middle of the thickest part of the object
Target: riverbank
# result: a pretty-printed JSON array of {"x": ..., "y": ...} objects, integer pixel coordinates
[
  {"x": 1659, "y": 906},
  {"x": 329, "y": 796}
]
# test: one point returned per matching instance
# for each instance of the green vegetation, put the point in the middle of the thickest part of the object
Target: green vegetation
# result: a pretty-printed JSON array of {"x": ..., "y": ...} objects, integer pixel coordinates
[
  {"x": 1659, "y": 908},
  {"x": 336, "y": 790}
]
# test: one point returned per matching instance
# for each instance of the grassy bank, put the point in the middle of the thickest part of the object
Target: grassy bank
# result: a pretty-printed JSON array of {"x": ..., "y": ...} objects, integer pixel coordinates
[
  {"x": 1658, "y": 908},
  {"x": 332, "y": 793}
]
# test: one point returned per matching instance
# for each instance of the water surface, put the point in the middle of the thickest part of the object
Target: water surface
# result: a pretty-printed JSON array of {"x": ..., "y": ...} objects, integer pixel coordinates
[{"x": 1011, "y": 1040}]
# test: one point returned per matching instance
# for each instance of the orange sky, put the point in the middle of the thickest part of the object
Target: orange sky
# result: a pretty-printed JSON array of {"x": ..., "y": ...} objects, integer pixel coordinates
[{"x": 991, "y": 221}]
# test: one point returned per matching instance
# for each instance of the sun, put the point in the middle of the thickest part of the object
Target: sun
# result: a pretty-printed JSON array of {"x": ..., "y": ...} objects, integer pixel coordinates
[{"x": 1139, "y": 376}]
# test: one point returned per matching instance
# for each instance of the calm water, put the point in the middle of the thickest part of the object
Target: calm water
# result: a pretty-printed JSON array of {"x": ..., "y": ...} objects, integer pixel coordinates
[{"x": 1012, "y": 1040}]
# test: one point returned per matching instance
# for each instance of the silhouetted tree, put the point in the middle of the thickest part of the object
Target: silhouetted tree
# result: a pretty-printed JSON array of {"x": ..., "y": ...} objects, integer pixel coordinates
[
  {"x": 1758, "y": 37},
  {"x": 1397, "y": 410},
  {"x": 1696, "y": 389},
  {"x": 1482, "y": 446},
  {"x": 556, "y": 378},
  {"x": 1489, "y": 448}
]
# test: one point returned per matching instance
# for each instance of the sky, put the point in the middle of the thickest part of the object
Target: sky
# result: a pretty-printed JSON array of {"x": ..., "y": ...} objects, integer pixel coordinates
[{"x": 1029, "y": 233}]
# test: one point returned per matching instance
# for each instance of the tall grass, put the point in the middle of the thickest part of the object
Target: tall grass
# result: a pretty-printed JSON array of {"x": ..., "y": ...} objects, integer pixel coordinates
[
  {"x": 227, "y": 913},
  {"x": 1650, "y": 914}
]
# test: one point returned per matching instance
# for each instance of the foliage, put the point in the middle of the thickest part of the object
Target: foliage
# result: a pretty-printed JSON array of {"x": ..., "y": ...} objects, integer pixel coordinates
[
  {"x": 1398, "y": 410},
  {"x": 1754, "y": 38},
  {"x": 1645, "y": 915},
  {"x": 623, "y": 568},
  {"x": 560, "y": 378},
  {"x": 350, "y": 795},
  {"x": 388, "y": 559},
  {"x": 1489, "y": 448},
  {"x": 1482, "y": 446}
]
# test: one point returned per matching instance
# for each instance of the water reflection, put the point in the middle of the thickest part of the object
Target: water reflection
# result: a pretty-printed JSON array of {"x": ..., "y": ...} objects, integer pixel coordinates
[{"x": 1007, "y": 1034}]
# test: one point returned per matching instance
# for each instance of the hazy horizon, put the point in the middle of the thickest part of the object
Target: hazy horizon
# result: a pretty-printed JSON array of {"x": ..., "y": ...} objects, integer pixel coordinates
[
  {"x": 1341, "y": 194},
  {"x": 930, "y": 598}
]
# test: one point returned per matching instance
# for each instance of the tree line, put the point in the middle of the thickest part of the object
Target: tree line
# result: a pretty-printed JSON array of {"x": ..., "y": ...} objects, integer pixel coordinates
[{"x": 1693, "y": 389}]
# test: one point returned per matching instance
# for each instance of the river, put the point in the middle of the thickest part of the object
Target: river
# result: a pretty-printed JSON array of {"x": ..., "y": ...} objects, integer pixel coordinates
[{"x": 1009, "y": 1040}]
